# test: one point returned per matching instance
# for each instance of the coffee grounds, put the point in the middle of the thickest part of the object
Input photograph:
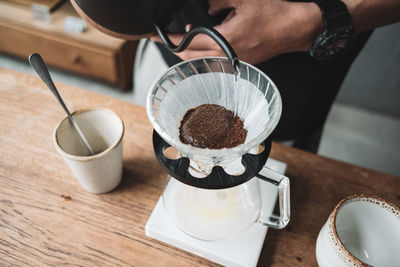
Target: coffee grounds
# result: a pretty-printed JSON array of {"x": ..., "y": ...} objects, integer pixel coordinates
[{"x": 212, "y": 126}]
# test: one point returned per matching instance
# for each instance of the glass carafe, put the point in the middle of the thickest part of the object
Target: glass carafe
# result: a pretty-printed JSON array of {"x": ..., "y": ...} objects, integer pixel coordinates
[{"x": 215, "y": 214}]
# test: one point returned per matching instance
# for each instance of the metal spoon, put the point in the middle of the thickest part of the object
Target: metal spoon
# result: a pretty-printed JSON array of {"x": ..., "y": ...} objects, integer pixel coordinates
[{"x": 40, "y": 67}]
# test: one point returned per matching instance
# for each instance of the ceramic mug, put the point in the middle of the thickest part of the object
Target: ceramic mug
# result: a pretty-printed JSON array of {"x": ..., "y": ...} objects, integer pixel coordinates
[
  {"x": 361, "y": 231},
  {"x": 104, "y": 130}
]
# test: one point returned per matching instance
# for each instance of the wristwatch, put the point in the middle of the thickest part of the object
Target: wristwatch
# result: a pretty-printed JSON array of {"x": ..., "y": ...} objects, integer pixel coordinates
[{"x": 339, "y": 34}]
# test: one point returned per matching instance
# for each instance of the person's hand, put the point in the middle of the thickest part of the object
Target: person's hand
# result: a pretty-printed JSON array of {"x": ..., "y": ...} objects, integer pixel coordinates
[{"x": 257, "y": 29}]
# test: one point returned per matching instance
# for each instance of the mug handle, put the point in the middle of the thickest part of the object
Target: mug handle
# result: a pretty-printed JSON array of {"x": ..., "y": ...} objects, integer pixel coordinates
[{"x": 283, "y": 184}]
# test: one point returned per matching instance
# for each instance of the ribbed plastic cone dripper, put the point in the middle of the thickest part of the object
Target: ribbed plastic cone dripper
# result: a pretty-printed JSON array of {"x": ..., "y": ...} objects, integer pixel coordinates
[{"x": 251, "y": 95}]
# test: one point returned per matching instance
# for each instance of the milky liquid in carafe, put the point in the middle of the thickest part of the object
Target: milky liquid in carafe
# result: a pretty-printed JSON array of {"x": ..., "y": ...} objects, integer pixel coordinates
[{"x": 212, "y": 214}]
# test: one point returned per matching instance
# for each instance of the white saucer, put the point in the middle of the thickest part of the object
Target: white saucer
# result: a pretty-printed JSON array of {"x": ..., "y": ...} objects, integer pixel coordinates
[{"x": 240, "y": 250}]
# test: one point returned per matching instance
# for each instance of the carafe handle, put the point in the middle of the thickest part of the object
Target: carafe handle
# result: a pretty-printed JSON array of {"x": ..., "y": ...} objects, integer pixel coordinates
[{"x": 282, "y": 182}]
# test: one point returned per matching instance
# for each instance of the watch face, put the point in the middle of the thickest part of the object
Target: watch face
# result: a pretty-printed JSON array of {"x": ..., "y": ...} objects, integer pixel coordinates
[{"x": 332, "y": 44}]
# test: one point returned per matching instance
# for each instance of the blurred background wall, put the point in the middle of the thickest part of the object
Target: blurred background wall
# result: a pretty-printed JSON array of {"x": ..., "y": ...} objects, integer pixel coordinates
[{"x": 374, "y": 79}]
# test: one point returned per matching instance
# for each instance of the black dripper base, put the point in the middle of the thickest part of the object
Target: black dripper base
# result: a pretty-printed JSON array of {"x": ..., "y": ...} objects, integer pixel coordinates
[{"x": 218, "y": 178}]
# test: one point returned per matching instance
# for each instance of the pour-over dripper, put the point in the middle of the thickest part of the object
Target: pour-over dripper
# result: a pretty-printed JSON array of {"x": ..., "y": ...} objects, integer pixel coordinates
[{"x": 251, "y": 95}]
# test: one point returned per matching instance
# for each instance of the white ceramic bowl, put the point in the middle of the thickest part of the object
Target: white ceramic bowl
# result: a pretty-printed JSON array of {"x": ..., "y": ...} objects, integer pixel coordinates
[{"x": 361, "y": 231}]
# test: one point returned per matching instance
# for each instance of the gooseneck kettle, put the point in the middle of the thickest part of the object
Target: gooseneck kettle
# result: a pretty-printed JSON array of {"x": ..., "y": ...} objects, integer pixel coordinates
[{"x": 136, "y": 19}]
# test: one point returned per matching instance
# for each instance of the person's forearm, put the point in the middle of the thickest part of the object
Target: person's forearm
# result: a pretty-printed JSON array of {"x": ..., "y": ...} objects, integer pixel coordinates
[
  {"x": 370, "y": 14},
  {"x": 307, "y": 21},
  {"x": 259, "y": 30}
]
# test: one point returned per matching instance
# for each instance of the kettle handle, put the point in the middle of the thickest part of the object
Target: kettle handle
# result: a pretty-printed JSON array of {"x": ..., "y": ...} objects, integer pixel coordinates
[
  {"x": 282, "y": 182},
  {"x": 215, "y": 35}
]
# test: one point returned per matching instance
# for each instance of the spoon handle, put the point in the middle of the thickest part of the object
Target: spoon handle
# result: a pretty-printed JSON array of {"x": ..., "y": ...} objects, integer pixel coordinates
[{"x": 40, "y": 67}]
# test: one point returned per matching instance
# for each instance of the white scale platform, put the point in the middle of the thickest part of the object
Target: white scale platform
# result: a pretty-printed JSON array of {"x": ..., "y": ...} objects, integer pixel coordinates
[{"x": 241, "y": 250}]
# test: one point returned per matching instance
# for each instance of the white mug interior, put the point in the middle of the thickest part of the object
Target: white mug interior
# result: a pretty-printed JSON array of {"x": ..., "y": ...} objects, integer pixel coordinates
[
  {"x": 368, "y": 228},
  {"x": 102, "y": 128}
]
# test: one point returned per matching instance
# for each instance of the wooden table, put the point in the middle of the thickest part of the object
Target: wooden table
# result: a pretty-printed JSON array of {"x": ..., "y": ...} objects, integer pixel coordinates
[{"x": 40, "y": 225}]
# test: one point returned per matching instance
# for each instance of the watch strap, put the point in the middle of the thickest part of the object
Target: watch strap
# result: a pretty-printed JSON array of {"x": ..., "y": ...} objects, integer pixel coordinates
[{"x": 335, "y": 14}]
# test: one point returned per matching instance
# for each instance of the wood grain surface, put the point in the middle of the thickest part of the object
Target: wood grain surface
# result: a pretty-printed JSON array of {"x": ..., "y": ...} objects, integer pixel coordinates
[{"x": 46, "y": 218}]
